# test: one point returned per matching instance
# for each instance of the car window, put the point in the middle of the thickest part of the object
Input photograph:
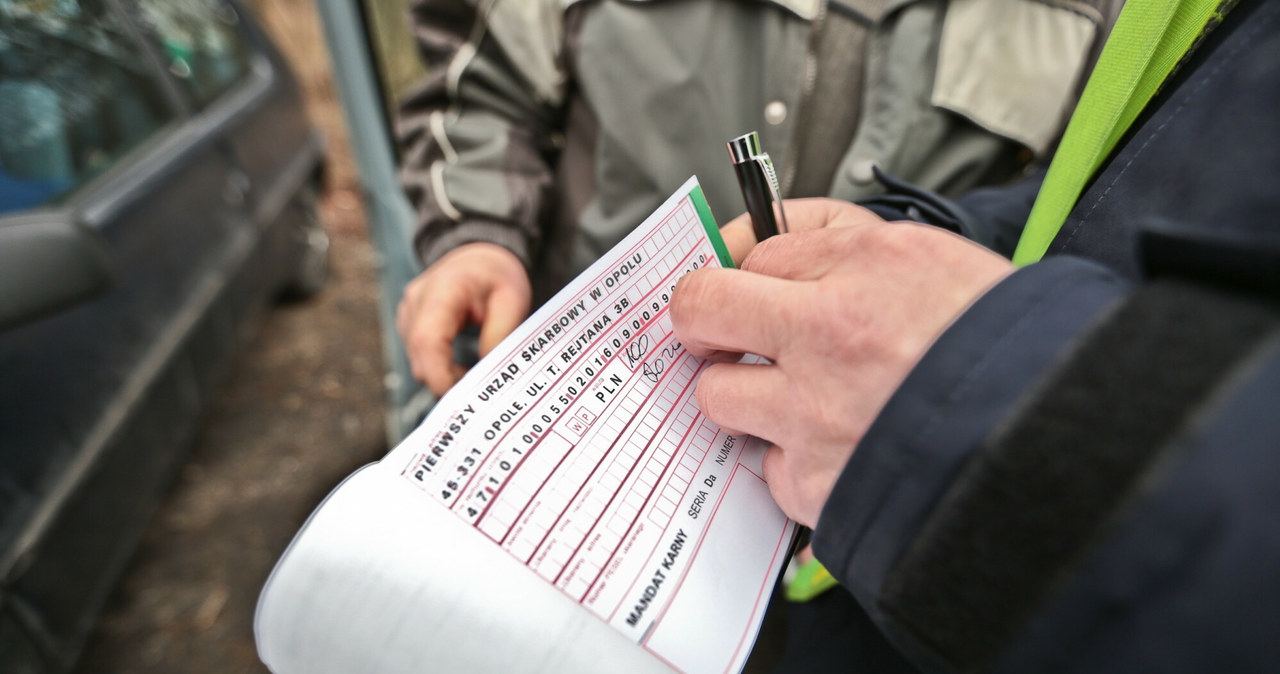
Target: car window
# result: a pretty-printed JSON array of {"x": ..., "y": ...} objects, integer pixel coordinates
[
  {"x": 201, "y": 40},
  {"x": 77, "y": 95}
]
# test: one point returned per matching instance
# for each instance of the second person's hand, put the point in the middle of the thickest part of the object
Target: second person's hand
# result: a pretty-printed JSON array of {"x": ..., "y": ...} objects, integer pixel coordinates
[{"x": 480, "y": 283}]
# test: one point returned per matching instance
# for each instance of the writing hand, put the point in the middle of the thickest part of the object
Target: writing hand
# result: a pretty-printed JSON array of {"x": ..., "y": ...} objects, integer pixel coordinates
[
  {"x": 843, "y": 307},
  {"x": 482, "y": 283}
]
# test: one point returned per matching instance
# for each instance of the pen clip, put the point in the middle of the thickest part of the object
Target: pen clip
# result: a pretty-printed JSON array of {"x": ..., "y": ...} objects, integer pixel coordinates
[{"x": 774, "y": 192}]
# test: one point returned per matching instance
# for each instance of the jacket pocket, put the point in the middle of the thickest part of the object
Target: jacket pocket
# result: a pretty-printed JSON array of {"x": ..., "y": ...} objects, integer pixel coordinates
[{"x": 1014, "y": 68}]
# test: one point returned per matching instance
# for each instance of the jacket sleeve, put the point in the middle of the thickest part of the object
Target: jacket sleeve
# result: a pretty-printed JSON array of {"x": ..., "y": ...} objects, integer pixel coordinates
[
  {"x": 977, "y": 543},
  {"x": 968, "y": 379},
  {"x": 478, "y": 136}
]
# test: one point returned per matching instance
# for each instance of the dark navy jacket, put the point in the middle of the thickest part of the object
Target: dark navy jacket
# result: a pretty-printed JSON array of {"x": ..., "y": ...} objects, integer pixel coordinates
[{"x": 953, "y": 531}]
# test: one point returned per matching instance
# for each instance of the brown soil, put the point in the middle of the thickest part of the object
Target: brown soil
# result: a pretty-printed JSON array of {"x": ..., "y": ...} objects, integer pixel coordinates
[{"x": 302, "y": 408}]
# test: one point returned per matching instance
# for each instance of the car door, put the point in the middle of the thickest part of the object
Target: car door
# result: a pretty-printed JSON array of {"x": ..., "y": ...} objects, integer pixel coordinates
[
  {"x": 97, "y": 401},
  {"x": 242, "y": 92}
]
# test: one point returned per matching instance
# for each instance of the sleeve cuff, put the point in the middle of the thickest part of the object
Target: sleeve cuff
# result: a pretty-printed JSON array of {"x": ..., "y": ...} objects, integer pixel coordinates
[
  {"x": 961, "y": 389},
  {"x": 432, "y": 248}
]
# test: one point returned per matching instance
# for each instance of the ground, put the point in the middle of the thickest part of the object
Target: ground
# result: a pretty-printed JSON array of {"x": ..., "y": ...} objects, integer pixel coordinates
[{"x": 301, "y": 408}]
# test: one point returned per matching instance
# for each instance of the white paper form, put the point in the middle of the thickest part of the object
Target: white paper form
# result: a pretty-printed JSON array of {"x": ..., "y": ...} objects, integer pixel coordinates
[{"x": 578, "y": 447}]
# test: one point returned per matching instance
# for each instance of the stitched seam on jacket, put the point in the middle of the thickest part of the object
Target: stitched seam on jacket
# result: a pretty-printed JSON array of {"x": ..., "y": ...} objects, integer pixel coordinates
[{"x": 1245, "y": 40}]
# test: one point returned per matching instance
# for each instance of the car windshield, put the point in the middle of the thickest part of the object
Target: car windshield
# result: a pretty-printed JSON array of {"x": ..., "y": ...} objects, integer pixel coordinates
[{"x": 78, "y": 93}]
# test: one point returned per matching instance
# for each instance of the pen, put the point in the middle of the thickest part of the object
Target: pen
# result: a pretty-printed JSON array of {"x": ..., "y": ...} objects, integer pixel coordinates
[{"x": 759, "y": 185}]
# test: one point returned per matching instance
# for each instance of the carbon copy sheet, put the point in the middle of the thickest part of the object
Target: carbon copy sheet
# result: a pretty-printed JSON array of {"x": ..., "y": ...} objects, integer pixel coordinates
[{"x": 578, "y": 448}]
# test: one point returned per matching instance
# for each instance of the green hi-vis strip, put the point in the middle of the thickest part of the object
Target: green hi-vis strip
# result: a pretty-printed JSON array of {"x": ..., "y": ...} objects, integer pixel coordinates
[
  {"x": 709, "y": 224},
  {"x": 1150, "y": 38}
]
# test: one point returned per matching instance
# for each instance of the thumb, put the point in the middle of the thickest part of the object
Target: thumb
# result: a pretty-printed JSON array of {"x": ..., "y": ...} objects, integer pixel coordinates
[{"x": 739, "y": 238}]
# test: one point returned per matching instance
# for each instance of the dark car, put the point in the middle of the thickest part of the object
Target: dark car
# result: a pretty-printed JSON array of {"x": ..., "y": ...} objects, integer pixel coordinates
[{"x": 158, "y": 178}]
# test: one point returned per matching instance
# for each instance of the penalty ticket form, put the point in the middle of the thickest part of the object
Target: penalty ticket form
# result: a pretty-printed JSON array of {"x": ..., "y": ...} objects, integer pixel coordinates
[{"x": 577, "y": 448}]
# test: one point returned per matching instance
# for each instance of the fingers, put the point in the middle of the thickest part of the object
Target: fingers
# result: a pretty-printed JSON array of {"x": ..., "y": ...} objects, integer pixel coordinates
[
  {"x": 774, "y": 469},
  {"x": 822, "y": 233},
  {"x": 719, "y": 310},
  {"x": 787, "y": 488},
  {"x": 506, "y": 308},
  {"x": 480, "y": 282},
  {"x": 812, "y": 253},
  {"x": 805, "y": 215},
  {"x": 744, "y": 398},
  {"x": 795, "y": 256},
  {"x": 738, "y": 237},
  {"x": 429, "y": 324}
]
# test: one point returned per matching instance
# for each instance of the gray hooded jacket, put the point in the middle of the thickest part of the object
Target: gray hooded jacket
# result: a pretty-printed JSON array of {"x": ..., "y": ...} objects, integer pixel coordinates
[{"x": 553, "y": 127}]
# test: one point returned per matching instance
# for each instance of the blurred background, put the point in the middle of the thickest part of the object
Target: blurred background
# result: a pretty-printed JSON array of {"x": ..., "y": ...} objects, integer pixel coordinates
[
  {"x": 303, "y": 406},
  {"x": 202, "y": 242},
  {"x": 163, "y": 490}
]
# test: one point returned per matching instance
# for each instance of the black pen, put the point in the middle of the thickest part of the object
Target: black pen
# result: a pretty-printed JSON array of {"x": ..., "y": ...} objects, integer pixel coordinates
[{"x": 759, "y": 185}]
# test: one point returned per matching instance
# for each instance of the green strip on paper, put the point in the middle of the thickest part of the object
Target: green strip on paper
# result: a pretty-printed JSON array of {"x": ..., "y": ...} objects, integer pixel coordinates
[{"x": 709, "y": 224}]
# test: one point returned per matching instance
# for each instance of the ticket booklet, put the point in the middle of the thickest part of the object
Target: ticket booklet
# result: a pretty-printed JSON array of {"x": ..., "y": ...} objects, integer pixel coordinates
[{"x": 566, "y": 507}]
